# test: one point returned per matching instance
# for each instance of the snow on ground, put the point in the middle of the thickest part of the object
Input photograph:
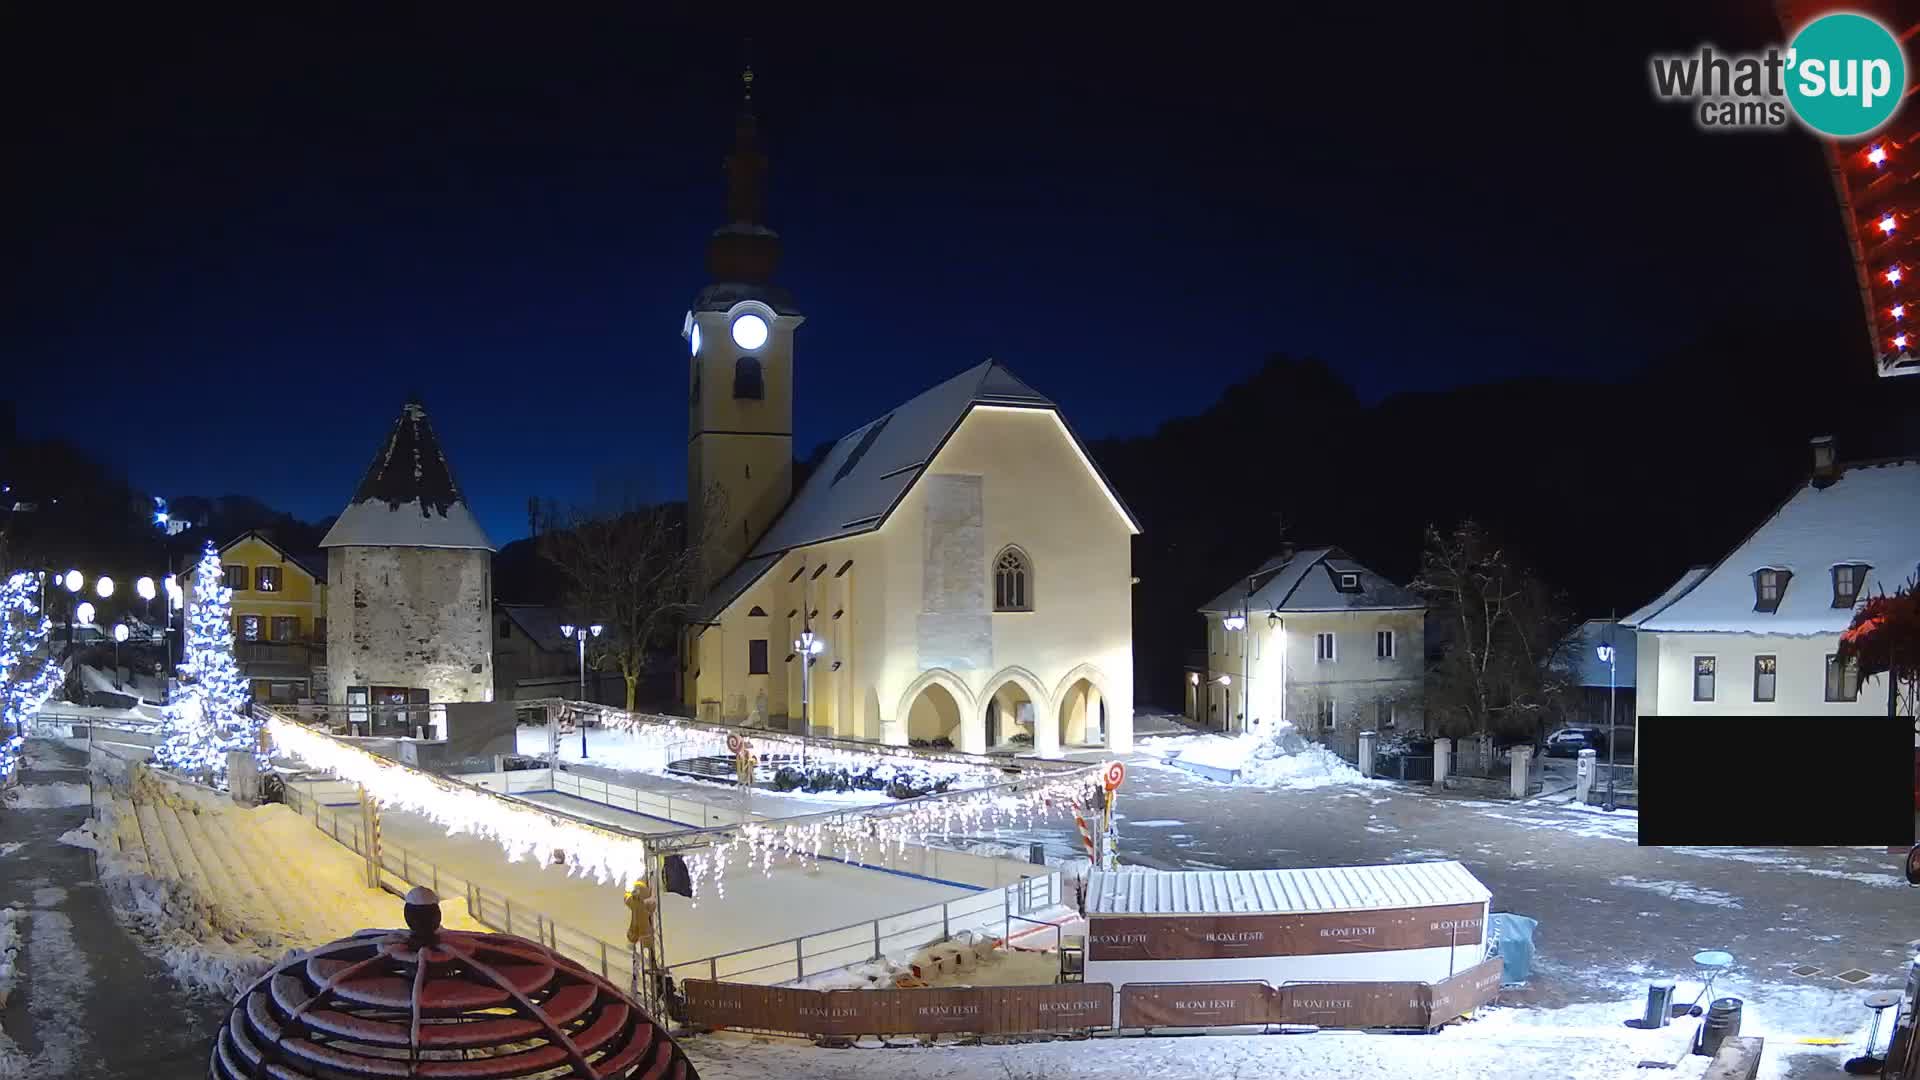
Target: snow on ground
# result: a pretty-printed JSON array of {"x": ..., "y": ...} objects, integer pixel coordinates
[
  {"x": 1281, "y": 758},
  {"x": 223, "y": 891},
  {"x": 10, "y": 920},
  {"x": 44, "y": 796},
  {"x": 11, "y": 847},
  {"x": 1680, "y": 890},
  {"x": 1579, "y": 1042}
]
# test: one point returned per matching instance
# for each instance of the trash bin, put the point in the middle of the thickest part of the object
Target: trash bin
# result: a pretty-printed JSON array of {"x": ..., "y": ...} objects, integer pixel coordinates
[
  {"x": 1659, "y": 1005},
  {"x": 1722, "y": 1023}
]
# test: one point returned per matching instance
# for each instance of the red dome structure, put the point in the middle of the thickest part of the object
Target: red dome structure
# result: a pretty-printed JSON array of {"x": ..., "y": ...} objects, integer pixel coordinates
[{"x": 426, "y": 1002}]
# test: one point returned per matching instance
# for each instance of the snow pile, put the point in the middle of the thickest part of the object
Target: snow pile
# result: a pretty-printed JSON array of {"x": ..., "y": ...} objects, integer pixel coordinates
[
  {"x": 967, "y": 959},
  {"x": 10, "y": 919},
  {"x": 45, "y": 796},
  {"x": 1282, "y": 758}
]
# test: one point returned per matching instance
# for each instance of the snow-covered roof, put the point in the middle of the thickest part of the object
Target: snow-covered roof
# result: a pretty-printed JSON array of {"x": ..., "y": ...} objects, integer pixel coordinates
[
  {"x": 1281, "y": 892},
  {"x": 1869, "y": 515},
  {"x": 408, "y": 497},
  {"x": 1308, "y": 581},
  {"x": 1583, "y": 655},
  {"x": 313, "y": 562},
  {"x": 1674, "y": 592},
  {"x": 872, "y": 467}
]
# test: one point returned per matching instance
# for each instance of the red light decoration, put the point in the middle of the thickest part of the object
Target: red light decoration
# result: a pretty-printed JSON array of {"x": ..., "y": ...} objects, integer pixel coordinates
[
  {"x": 1898, "y": 311},
  {"x": 1886, "y": 223},
  {"x": 1877, "y": 155},
  {"x": 1893, "y": 275},
  {"x": 1900, "y": 342}
]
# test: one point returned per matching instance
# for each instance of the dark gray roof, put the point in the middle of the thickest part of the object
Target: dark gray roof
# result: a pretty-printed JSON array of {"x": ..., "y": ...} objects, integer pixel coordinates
[
  {"x": 871, "y": 468},
  {"x": 540, "y": 623},
  {"x": 721, "y": 296},
  {"x": 1305, "y": 581},
  {"x": 313, "y": 562},
  {"x": 408, "y": 497}
]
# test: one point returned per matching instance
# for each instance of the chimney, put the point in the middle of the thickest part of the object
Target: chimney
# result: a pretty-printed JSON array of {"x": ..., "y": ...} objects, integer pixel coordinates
[{"x": 1826, "y": 465}]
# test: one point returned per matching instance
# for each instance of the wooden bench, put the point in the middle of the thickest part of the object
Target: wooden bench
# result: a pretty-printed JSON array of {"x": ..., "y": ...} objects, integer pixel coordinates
[{"x": 1737, "y": 1059}]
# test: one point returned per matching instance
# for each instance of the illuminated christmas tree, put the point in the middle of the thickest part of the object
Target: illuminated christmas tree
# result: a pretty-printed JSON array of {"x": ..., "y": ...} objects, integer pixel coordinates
[
  {"x": 28, "y": 674},
  {"x": 211, "y": 715}
]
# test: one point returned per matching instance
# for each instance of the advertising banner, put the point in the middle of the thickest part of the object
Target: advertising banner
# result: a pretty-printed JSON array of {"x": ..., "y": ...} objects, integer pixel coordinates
[{"x": 1212, "y": 937}]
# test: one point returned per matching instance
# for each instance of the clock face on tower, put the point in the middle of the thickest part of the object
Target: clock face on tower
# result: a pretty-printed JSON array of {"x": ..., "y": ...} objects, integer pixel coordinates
[
  {"x": 750, "y": 332},
  {"x": 693, "y": 339}
]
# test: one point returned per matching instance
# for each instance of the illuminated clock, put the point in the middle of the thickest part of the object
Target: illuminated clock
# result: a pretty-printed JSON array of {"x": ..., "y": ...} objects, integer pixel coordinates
[
  {"x": 750, "y": 332},
  {"x": 693, "y": 339}
]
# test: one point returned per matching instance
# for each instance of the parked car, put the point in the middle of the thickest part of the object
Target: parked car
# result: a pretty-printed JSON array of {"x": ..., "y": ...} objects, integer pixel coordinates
[{"x": 1569, "y": 741}]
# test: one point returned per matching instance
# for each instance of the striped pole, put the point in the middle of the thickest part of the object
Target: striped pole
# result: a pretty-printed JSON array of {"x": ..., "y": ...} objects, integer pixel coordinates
[{"x": 1086, "y": 835}]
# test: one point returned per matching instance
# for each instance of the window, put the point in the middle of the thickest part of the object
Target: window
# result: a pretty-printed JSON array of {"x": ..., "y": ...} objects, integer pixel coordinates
[
  {"x": 1847, "y": 580},
  {"x": 1843, "y": 680},
  {"x": 1768, "y": 587},
  {"x": 1012, "y": 581},
  {"x": 747, "y": 382},
  {"x": 1349, "y": 582},
  {"x": 1703, "y": 678},
  {"x": 319, "y": 629},
  {"x": 236, "y": 577},
  {"x": 266, "y": 578},
  {"x": 1383, "y": 644},
  {"x": 1325, "y": 710},
  {"x": 1765, "y": 668},
  {"x": 1383, "y": 713},
  {"x": 285, "y": 628},
  {"x": 757, "y": 656},
  {"x": 1323, "y": 652},
  {"x": 250, "y": 628}
]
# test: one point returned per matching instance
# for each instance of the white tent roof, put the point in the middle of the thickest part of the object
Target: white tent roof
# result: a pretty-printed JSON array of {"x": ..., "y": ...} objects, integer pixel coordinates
[{"x": 1282, "y": 892}]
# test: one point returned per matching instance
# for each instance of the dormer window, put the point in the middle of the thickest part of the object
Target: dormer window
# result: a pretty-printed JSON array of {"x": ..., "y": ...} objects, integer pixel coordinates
[
  {"x": 1848, "y": 578},
  {"x": 1769, "y": 586},
  {"x": 1347, "y": 582}
]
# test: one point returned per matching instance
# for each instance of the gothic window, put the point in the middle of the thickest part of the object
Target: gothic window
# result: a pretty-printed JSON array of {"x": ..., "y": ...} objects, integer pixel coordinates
[
  {"x": 747, "y": 382},
  {"x": 1012, "y": 581}
]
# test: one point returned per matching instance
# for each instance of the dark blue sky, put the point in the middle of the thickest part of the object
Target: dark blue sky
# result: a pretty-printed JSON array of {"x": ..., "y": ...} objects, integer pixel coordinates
[{"x": 248, "y": 238}]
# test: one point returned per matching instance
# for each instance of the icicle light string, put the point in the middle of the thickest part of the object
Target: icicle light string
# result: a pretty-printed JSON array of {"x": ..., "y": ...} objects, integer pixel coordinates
[
  {"x": 519, "y": 829},
  {"x": 854, "y": 835}
]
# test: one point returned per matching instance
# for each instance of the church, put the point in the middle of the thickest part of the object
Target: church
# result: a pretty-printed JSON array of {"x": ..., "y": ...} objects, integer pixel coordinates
[{"x": 956, "y": 572}]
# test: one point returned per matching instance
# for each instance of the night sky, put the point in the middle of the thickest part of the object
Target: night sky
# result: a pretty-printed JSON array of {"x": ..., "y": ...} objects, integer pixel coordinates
[{"x": 245, "y": 239}]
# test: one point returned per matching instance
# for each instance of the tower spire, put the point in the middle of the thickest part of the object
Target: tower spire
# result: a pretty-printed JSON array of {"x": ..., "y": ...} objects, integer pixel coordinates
[{"x": 744, "y": 249}]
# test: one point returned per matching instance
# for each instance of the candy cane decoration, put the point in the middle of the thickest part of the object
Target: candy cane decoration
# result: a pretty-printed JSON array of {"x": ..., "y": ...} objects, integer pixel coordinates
[{"x": 1086, "y": 834}]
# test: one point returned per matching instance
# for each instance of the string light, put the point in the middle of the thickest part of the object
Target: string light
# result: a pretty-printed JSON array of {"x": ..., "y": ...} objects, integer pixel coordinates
[
  {"x": 1893, "y": 275},
  {"x": 1898, "y": 311},
  {"x": 210, "y": 715},
  {"x": 1886, "y": 223},
  {"x": 1900, "y": 342},
  {"x": 521, "y": 829},
  {"x": 1877, "y": 155}
]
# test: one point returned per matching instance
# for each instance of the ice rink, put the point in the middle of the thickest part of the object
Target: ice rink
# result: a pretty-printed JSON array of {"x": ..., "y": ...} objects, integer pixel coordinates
[{"x": 752, "y": 909}]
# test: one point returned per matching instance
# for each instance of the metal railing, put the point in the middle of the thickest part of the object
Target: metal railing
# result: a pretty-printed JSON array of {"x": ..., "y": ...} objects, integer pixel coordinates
[
  {"x": 818, "y": 953},
  {"x": 402, "y": 868}
]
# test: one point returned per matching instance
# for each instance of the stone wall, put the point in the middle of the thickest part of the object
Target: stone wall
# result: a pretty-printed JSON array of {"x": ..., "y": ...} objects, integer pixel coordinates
[{"x": 416, "y": 617}]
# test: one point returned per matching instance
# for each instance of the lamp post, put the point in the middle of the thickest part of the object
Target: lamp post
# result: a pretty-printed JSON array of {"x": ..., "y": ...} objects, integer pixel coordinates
[
  {"x": 809, "y": 645},
  {"x": 1238, "y": 623},
  {"x": 581, "y": 634},
  {"x": 74, "y": 581},
  {"x": 1607, "y": 657},
  {"x": 119, "y": 635}
]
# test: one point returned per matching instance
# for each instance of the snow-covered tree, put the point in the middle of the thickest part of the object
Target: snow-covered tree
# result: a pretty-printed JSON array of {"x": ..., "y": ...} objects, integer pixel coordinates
[
  {"x": 210, "y": 716},
  {"x": 28, "y": 673}
]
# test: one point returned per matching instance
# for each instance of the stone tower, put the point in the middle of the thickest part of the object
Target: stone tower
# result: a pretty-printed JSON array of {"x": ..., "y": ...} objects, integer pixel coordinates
[
  {"x": 409, "y": 571},
  {"x": 740, "y": 397}
]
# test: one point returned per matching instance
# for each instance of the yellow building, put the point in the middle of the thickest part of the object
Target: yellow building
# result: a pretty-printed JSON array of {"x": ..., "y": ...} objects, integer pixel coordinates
[
  {"x": 279, "y": 616},
  {"x": 960, "y": 564}
]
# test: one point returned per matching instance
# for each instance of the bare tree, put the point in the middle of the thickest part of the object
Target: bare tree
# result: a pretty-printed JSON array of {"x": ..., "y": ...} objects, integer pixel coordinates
[
  {"x": 629, "y": 566},
  {"x": 1501, "y": 669}
]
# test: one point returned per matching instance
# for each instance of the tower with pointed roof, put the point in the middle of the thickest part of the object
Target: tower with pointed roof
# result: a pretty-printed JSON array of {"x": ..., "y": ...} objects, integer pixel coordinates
[
  {"x": 409, "y": 581},
  {"x": 739, "y": 333}
]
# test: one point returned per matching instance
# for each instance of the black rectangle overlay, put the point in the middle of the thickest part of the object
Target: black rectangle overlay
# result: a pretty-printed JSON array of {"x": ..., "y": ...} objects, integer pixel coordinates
[{"x": 1776, "y": 781}]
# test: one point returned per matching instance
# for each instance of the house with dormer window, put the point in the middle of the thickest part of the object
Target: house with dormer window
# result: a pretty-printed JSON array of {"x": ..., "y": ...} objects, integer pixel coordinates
[
  {"x": 1314, "y": 639},
  {"x": 1757, "y": 632}
]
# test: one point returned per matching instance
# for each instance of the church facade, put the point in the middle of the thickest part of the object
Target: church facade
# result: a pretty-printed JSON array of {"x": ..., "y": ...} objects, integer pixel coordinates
[{"x": 956, "y": 571}]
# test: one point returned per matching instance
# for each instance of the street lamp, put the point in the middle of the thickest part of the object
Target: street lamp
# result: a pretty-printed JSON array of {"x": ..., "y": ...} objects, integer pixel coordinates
[
  {"x": 808, "y": 645},
  {"x": 84, "y": 613},
  {"x": 119, "y": 635},
  {"x": 104, "y": 587},
  {"x": 1607, "y": 657},
  {"x": 581, "y": 634}
]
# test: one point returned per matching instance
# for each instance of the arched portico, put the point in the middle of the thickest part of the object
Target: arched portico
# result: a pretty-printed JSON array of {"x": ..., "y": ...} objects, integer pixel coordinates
[
  {"x": 1081, "y": 717},
  {"x": 1015, "y": 701},
  {"x": 937, "y": 705}
]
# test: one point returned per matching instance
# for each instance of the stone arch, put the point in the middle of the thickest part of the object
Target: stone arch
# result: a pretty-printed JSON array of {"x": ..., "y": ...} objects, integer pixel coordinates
[
  {"x": 1028, "y": 685},
  {"x": 965, "y": 712},
  {"x": 1073, "y": 708}
]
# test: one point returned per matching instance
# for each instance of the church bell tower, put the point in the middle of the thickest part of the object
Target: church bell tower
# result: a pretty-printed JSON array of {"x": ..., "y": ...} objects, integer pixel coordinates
[{"x": 740, "y": 382}]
